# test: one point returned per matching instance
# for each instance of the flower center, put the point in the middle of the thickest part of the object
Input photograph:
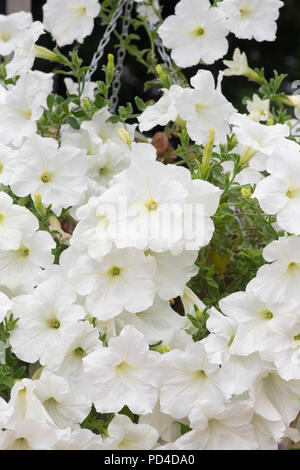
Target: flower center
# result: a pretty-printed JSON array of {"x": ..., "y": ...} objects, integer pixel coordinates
[
  {"x": 103, "y": 220},
  {"x": 102, "y": 171},
  {"x": 199, "y": 107},
  {"x": 123, "y": 367},
  {"x": 80, "y": 352},
  {"x": 297, "y": 337},
  {"x": 293, "y": 192},
  {"x": 20, "y": 444},
  {"x": 5, "y": 37},
  {"x": 102, "y": 135},
  {"x": 54, "y": 323},
  {"x": 293, "y": 266},
  {"x": 23, "y": 251},
  {"x": 245, "y": 10},
  {"x": 198, "y": 31},
  {"x": 115, "y": 271},
  {"x": 81, "y": 10},
  {"x": 267, "y": 315},
  {"x": 27, "y": 113},
  {"x": 151, "y": 205},
  {"x": 46, "y": 177},
  {"x": 200, "y": 374}
]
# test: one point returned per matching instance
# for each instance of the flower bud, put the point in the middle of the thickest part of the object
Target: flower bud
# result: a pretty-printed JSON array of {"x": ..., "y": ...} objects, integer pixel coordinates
[
  {"x": 246, "y": 192},
  {"x": 38, "y": 204},
  {"x": 161, "y": 349},
  {"x": 125, "y": 136},
  {"x": 111, "y": 62},
  {"x": 247, "y": 155},
  {"x": 44, "y": 53},
  {"x": 207, "y": 154}
]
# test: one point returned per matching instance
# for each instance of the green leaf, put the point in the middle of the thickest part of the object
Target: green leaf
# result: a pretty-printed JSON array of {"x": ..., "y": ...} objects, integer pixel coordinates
[
  {"x": 50, "y": 101},
  {"x": 73, "y": 123},
  {"x": 99, "y": 101},
  {"x": 140, "y": 104},
  {"x": 113, "y": 119},
  {"x": 184, "y": 428}
]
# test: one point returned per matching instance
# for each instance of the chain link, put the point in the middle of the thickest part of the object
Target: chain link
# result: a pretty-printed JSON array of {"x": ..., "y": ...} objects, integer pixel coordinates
[
  {"x": 105, "y": 39},
  {"x": 116, "y": 85}
]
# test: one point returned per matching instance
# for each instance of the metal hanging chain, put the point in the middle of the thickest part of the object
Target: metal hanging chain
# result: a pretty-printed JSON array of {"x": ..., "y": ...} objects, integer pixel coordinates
[
  {"x": 122, "y": 53},
  {"x": 105, "y": 39},
  {"x": 164, "y": 54},
  {"x": 128, "y": 4},
  {"x": 116, "y": 85}
]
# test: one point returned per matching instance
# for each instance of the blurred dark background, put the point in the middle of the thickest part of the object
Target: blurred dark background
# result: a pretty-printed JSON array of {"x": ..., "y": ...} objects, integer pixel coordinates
[{"x": 283, "y": 55}]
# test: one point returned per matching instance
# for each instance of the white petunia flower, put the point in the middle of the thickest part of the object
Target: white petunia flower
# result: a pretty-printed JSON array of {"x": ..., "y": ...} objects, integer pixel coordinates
[
  {"x": 21, "y": 268},
  {"x": 286, "y": 353},
  {"x": 71, "y": 20},
  {"x": 64, "y": 405},
  {"x": 12, "y": 29},
  {"x": 255, "y": 318},
  {"x": 249, "y": 19},
  {"x": 24, "y": 54},
  {"x": 149, "y": 202},
  {"x": 124, "y": 373},
  {"x": 26, "y": 405},
  {"x": 274, "y": 398},
  {"x": 238, "y": 65},
  {"x": 123, "y": 279},
  {"x": 81, "y": 139},
  {"x": 66, "y": 360},
  {"x": 102, "y": 132},
  {"x": 57, "y": 173},
  {"x": 157, "y": 323},
  {"x": 92, "y": 231},
  {"x": 173, "y": 272},
  {"x": 28, "y": 435},
  {"x": 238, "y": 372},
  {"x": 279, "y": 280},
  {"x": 223, "y": 330},
  {"x": 189, "y": 374},
  {"x": 260, "y": 140},
  {"x": 111, "y": 160},
  {"x": 268, "y": 432},
  {"x": 79, "y": 439},
  {"x": 23, "y": 106},
  {"x": 196, "y": 32},
  {"x": 43, "y": 317},
  {"x": 279, "y": 193},
  {"x": 204, "y": 107},
  {"x": 162, "y": 112},
  {"x": 125, "y": 435},
  {"x": 168, "y": 427},
  {"x": 104, "y": 160},
  {"x": 220, "y": 426},
  {"x": 14, "y": 219},
  {"x": 259, "y": 110}
]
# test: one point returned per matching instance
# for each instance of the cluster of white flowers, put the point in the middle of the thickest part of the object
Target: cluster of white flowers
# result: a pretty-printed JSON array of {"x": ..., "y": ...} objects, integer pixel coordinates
[
  {"x": 198, "y": 30},
  {"x": 93, "y": 327}
]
